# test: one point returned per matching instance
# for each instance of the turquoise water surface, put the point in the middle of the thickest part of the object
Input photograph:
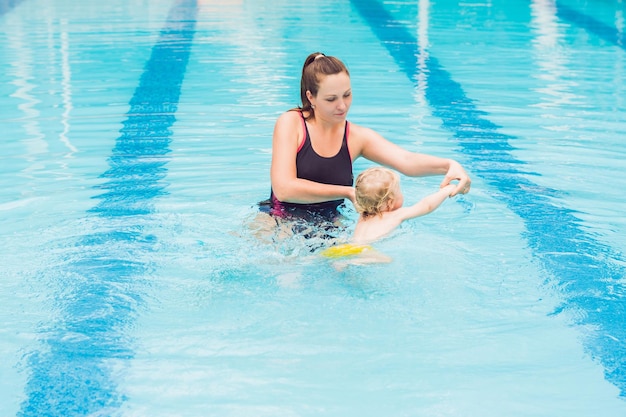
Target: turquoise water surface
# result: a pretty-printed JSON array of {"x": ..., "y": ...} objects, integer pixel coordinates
[{"x": 137, "y": 143}]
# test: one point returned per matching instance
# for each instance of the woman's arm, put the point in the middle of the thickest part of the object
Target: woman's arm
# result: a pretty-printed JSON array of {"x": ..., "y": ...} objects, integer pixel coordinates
[
  {"x": 371, "y": 145},
  {"x": 288, "y": 134}
]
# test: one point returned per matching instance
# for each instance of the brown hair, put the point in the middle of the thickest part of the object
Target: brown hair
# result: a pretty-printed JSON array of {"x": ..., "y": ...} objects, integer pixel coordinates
[
  {"x": 316, "y": 66},
  {"x": 374, "y": 190}
]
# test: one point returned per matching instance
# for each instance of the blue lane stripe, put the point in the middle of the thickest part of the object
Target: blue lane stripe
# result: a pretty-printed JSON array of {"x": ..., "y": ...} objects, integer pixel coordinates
[
  {"x": 591, "y": 25},
  {"x": 590, "y": 273},
  {"x": 102, "y": 284}
]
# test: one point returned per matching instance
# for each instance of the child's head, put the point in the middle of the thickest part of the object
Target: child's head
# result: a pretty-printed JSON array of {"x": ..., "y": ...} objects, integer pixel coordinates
[{"x": 377, "y": 190}]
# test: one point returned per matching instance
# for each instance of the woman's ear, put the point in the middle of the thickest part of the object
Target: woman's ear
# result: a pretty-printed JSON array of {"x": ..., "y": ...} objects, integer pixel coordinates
[{"x": 309, "y": 96}]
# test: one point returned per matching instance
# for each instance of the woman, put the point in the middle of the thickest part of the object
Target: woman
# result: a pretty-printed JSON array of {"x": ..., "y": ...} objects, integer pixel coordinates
[{"x": 314, "y": 146}]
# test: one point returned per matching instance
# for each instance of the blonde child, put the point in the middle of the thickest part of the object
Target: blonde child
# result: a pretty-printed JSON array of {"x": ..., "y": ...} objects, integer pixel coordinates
[{"x": 379, "y": 204}]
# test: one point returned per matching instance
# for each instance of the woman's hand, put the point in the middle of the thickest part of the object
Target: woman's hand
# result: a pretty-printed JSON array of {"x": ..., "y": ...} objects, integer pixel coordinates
[
  {"x": 351, "y": 196},
  {"x": 457, "y": 173}
]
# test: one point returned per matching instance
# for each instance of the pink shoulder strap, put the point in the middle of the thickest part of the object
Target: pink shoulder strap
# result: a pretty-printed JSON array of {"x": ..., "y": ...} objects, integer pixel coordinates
[
  {"x": 347, "y": 136},
  {"x": 304, "y": 134}
]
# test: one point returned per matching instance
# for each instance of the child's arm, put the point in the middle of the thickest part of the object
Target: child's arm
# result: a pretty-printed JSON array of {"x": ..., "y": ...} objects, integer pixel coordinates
[{"x": 427, "y": 204}]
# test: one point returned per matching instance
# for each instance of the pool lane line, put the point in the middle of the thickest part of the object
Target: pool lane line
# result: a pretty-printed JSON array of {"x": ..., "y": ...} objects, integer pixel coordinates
[
  {"x": 73, "y": 373},
  {"x": 591, "y": 25},
  {"x": 590, "y": 274}
]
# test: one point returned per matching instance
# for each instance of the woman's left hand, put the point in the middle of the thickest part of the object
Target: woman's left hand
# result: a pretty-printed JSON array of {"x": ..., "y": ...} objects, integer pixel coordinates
[{"x": 457, "y": 173}]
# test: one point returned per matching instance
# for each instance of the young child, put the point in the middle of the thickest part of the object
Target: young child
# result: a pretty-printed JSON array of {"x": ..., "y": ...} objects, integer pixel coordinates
[{"x": 379, "y": 203}]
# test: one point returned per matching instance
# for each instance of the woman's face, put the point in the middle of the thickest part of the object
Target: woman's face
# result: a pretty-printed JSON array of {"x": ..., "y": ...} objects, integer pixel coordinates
[{"x": 334, "y": 97}]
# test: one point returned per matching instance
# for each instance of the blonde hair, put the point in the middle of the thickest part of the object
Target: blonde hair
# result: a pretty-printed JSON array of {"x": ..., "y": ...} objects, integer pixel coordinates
[{"x": 374, "y": 190}]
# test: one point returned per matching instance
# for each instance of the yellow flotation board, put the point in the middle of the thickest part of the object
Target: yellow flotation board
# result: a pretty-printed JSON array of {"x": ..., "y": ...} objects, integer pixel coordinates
[{"x": 345, "y": 250}]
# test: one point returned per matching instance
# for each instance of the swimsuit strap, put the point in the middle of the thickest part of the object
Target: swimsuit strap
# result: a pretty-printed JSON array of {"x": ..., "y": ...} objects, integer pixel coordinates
[{"x": 305, "y": 132}]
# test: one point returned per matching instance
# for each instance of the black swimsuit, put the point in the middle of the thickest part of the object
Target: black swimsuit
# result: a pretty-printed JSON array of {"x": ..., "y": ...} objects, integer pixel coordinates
[{"x": 335, "y": 170}]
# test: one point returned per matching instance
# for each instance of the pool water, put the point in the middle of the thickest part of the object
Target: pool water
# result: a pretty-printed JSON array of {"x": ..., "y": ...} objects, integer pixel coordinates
[{"x": 137, "y": 142}]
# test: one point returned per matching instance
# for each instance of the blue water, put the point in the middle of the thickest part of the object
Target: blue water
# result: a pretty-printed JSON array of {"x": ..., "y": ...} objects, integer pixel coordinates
[{"x": 137, "y": 140}]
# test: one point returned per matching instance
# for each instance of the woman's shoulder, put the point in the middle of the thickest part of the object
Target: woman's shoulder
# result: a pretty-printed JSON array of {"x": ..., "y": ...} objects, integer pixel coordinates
[
  {"x": 290, "y": 117},
  {"x": 361, "y": 130},
  {"x": 361, "y": 136},
  {"x": 289, "y": 125}
]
